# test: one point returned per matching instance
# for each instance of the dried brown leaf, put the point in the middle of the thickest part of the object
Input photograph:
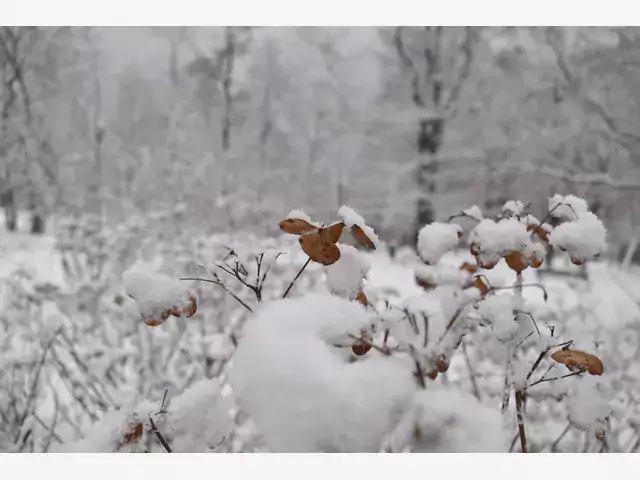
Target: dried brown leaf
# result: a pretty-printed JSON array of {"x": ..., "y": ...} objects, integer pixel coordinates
[
  {"x": 133, "y": 434},
  {"x": 296, "y": 226},
  {"x": 362, "y": 238},
  {"x": 540, "y": 232},
  {"x": 319, "y": 247},
  {"x": 579, "y": 360},
  {"x": 469, "y": 267},
  {"x": 516, "y": 261},
  {"x": 362, "y": 298}
]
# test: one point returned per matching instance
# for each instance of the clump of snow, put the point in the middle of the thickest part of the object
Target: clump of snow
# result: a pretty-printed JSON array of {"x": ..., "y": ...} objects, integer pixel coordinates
[
  {"x": 108, "y": 434},
  {"x": 345, "y": 277},
  {"x": 436, "y": 239},
  {"x": 474, "y": 212},
  {"x": 198, "y": 420},
  {"x": 155, "y": 293},
  {"x": 428, "y": 274},
  {"x": 583, "y": 238},
  {"x": 498, "y": 311},
  {"x": 495, "y": 239},
  {"x": 588, "y": 407},
  {"x": 512, "y": 208},
  {"x": 442, "y": 420},
  {"x": 567, "y": 207},
  {"x": 299, "y": 214},
  {"x": 350, "y": 218},
  {"x": 302, "y": 395}
]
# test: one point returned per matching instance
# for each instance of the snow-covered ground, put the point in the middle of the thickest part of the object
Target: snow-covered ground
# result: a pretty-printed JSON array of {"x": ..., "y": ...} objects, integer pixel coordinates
[{"x": 73, "y": 349}]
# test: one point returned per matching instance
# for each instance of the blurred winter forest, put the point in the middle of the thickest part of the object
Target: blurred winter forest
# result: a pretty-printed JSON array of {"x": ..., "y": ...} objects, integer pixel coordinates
[
  {"x": 230, "y": 125},
  {"x": 168, "y": 145}
]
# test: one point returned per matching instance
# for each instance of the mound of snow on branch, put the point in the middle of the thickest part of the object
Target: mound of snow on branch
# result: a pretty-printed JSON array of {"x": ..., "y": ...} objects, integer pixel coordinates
[{"x": 291, "y": 375}]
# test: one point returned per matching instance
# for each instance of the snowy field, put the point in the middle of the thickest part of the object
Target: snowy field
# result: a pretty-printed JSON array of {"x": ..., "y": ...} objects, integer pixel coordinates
[{"x": 80, "y": 370}]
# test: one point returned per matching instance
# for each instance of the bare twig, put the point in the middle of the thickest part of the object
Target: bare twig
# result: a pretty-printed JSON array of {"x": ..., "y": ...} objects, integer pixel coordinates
[
  {"x": 286, "y": 292},
  {"x": 472, "y": 374},
  {"x": 520, "y": 416},
  {"x": 159, "y": 436},
  {"x": 223, "y": 286}
]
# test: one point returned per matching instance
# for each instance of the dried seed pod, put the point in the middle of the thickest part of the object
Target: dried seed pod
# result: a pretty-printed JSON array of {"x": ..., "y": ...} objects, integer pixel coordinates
[
  {"x": 433, "y": 374},
  {"x": 580, "y": 361},
  {"x": 296, "y": 226},
  {"x": 152, "y": 321},
  {"x": 360, "y": 347},
  {"x": 535, "y": 261},
  {"x": 599, "y": 432},
  {"x": 362, "y": 238},
  {"x": 516, "y": 261}
]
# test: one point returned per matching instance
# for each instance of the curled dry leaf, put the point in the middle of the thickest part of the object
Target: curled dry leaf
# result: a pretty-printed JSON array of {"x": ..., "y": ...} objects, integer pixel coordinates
[
  {"x": 468, "y": 267},
  {"x": 540, "y": 232},
  {"x": 535, "y": 261},
  {"x": 362, "y": 298},
  {"x": 516, "y": 261},
  {"x": 580, "y": 361},
  {"x": 486, "y": 264},
  {"x": 296, "y": 226},
  {"x": 433, "y": 374},
  {"x": 362, "y": 238},
  {"x": 319, "y": 246},
  {"x": 599, "y": 432},
  {"x": 154, "y": 322},
  {"x": 479, "y": 284},
  {"x": 133, "y": 434}
]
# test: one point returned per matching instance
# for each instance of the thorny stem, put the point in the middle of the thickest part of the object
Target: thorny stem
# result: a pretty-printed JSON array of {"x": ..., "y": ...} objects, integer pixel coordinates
[{"x": 284, "y": 295}]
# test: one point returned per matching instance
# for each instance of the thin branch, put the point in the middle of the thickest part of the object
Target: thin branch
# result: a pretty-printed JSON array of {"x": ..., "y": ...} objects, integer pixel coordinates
[
  {"x": 472, "y": 374},
  {"x": 223, "y": 286},
  {"x": 408, "y": 63},
  {"x": 159, "y": 436},
  {"x": 572, "y": 374},
  {"x": 520, "y": 416},
  {"x": 284, "y": 295}
]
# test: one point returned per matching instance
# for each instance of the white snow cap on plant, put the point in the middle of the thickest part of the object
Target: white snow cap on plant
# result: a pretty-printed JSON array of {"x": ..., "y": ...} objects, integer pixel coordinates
[
  {"x": 299, "y": 214},
  {"x": 583, "y": 238},
  {"x": 436, "y": 239},
  {"x": 443, "y": 420},
  {"x": 155, "y": 292},
  {"x": 498, "y": 311},
  {"x": 302, "y": 394},
  {"x": 513, "y": 208},
  {"x": 474, "y": 212},
  {"x": 495, "y": 239},
  {"x": 350, "y": 218},
  {"x": 198, "y": 419},
  {"x": 345, "y": 277},
  {"x": 588, "y": 407},
  {"x": 107, "y": 434},
  {"x": 567, "y": 207}
]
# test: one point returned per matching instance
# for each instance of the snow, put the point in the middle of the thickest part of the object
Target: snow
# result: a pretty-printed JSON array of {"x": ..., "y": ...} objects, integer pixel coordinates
[
  {"x": 155, "y": 293},
  {"x": 301, "y": 393},
  {"x": 198, "y": 420},
  {"x": 513, "y": 208},
  {"x": 583, "y": 238},
  {"x": 588, "y": 406},
  {"x": 350, "y": 218},
  {"x": 436, "y": 239},
  {"x": 567, "y": 207},
  {"x": 498, "y": 311},
  {"x": 495, "y": 239},
  {"x": 345, "y": 277},
  {"x": 474, "y": 212},
  {"x": 442, "y": 420}
]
